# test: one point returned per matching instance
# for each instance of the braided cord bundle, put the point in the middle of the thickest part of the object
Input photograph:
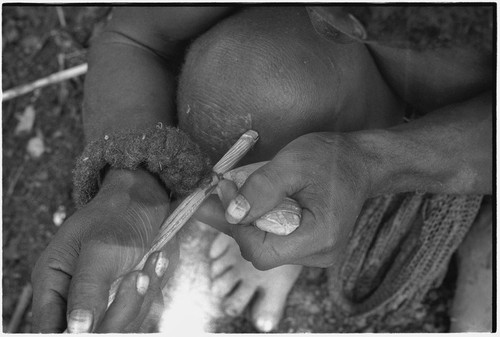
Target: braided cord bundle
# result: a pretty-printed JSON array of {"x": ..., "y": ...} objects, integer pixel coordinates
[
  {"x": 400, "y": 248},
  {"x": 167, "y": 152}
]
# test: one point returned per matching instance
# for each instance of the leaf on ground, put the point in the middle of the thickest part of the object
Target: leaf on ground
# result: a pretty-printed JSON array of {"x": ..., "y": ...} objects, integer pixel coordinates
[
  {"x": 26, "y": 120},
  {"x": 59, "y": 216},
  {"x": 35, "y": 147}
]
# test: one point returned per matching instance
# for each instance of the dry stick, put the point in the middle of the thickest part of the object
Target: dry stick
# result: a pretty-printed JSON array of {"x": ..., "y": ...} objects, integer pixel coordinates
[
  {"x": 51, "y": 79},
  {"x": 188, "y": 207},
  {"x": 60, "y": 16},
  {"x": 22, "y": 304},
  {"x": 14, "y": 181}
]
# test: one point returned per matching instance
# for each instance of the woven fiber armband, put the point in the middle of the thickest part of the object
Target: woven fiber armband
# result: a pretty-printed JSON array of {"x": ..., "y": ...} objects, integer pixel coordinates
[{"x": 167, "y": 152}]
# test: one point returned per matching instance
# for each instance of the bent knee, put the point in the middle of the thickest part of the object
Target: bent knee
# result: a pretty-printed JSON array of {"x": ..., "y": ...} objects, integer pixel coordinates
[
  {"x": 251, "y": 75},
  {"x": 266, "y": 69}
]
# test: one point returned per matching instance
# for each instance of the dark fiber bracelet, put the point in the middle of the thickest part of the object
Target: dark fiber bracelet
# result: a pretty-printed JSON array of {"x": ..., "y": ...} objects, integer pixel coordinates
[{"x": 167, "y": 152}]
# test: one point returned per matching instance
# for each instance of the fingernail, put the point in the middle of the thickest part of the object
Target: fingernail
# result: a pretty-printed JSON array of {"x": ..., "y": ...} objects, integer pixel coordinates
[
  {"x": 161, "y": 264},
  {"x": 142, "y": 283},
  {"x": 238, "y": 208},
  {"x": 358, "y": 29},
  {"x": 79, "y": 321},
  {"x": 264, "y": 324}
]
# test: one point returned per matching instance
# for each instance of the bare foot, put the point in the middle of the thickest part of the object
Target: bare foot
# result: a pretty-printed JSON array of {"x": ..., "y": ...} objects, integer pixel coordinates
[{"x": 237, "y": 281}]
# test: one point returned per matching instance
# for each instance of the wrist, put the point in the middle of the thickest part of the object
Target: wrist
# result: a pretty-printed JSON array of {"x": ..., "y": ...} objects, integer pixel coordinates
[
  {"x": 139, "y": 184},
  {"x": 372, "y": 147},
  {"x": 348, "y": 161},
  {"x": 396, "y": 163}
]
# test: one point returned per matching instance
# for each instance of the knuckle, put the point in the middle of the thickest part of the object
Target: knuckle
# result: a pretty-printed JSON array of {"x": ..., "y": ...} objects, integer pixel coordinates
[
  {"x": 261, "y": 262},
  {"x": 262, "y": 259},
  {"x": 261, "y": 265},
  {"x": 261, "y": 179},
  {"x": 256, "y": 257}
]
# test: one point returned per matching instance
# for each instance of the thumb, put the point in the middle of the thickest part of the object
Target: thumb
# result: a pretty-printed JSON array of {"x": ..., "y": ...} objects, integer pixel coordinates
[{"x": 262, "y": 191}]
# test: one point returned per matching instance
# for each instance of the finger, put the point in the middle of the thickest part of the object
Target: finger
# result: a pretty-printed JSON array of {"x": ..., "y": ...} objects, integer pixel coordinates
[
  {"x": 127, "y": 303},
  {"x": 227, "y": 191},
  {"x": 159, "y": 269},
  {"x": 156, "y": 267},
  {"x": 50, "y": 290},
  {"x": 171, "y": 253},
  {"x": 267, "y": 250},
  {"x": 211, "y": 213},
  {"x": 89, "y": 289},
  {"x": 263, "y": 190}
]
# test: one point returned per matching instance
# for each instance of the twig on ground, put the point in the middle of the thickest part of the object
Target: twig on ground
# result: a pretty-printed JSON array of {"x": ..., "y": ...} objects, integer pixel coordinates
[
  {"x": 51, "y": 79},
  {"x": 14, "y": 181},
  {"x": 63, "y": 90},
  {"x": 61, "y": 16},
  {"x": 22, "y": 303}
]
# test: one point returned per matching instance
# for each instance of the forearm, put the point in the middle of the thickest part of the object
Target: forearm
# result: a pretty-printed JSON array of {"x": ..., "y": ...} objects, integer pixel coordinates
[
  {"x": 134, "y": 63},
  {"x": 447, "y": 151}
]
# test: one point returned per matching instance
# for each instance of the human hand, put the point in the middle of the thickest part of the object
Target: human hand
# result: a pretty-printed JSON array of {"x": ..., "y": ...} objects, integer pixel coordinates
[
  {"x": 133, "y": 306},
  {"x": 100, "y": 242},
  {"x": 327, "y": 175}
]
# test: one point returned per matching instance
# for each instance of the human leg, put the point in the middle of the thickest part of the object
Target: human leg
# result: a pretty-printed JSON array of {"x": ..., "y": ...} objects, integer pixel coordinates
[{"x": 266, "y": 69}]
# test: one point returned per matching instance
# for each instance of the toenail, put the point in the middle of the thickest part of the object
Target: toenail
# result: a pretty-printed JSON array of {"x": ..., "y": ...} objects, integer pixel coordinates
[{"x": 264, "y": 324}]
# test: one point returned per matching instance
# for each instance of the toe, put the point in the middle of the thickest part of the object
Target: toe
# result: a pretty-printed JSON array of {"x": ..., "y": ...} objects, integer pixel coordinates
[
  {"x": 225, "y": 283},
  {"x": 222, "y": 264},
  {"x": 220, "y": 245},
  {"x": 270, "y": 304},
  {"x": 238, "y": 300},
  {"x": 267, "y": 312}
]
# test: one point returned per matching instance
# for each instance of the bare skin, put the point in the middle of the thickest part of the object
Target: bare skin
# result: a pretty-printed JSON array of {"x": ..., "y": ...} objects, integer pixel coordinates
[
  {"x": 315, "y": 104},
  {"x": 237, "y": 282},
  {"x": 298, "y": 76}
]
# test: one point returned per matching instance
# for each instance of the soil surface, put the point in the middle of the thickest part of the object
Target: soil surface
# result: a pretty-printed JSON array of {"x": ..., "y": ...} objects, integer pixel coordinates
[{"x": 40, "y": 40}]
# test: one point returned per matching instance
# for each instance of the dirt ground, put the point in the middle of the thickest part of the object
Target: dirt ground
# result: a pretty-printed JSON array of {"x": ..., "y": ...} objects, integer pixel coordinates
[{"x": 41, "y": 40}]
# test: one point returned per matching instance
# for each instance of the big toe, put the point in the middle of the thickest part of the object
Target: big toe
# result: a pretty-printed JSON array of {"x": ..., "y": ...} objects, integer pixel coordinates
[
  {"x": 237, "y": 281},
  {"x": 270, "y": 304}
]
